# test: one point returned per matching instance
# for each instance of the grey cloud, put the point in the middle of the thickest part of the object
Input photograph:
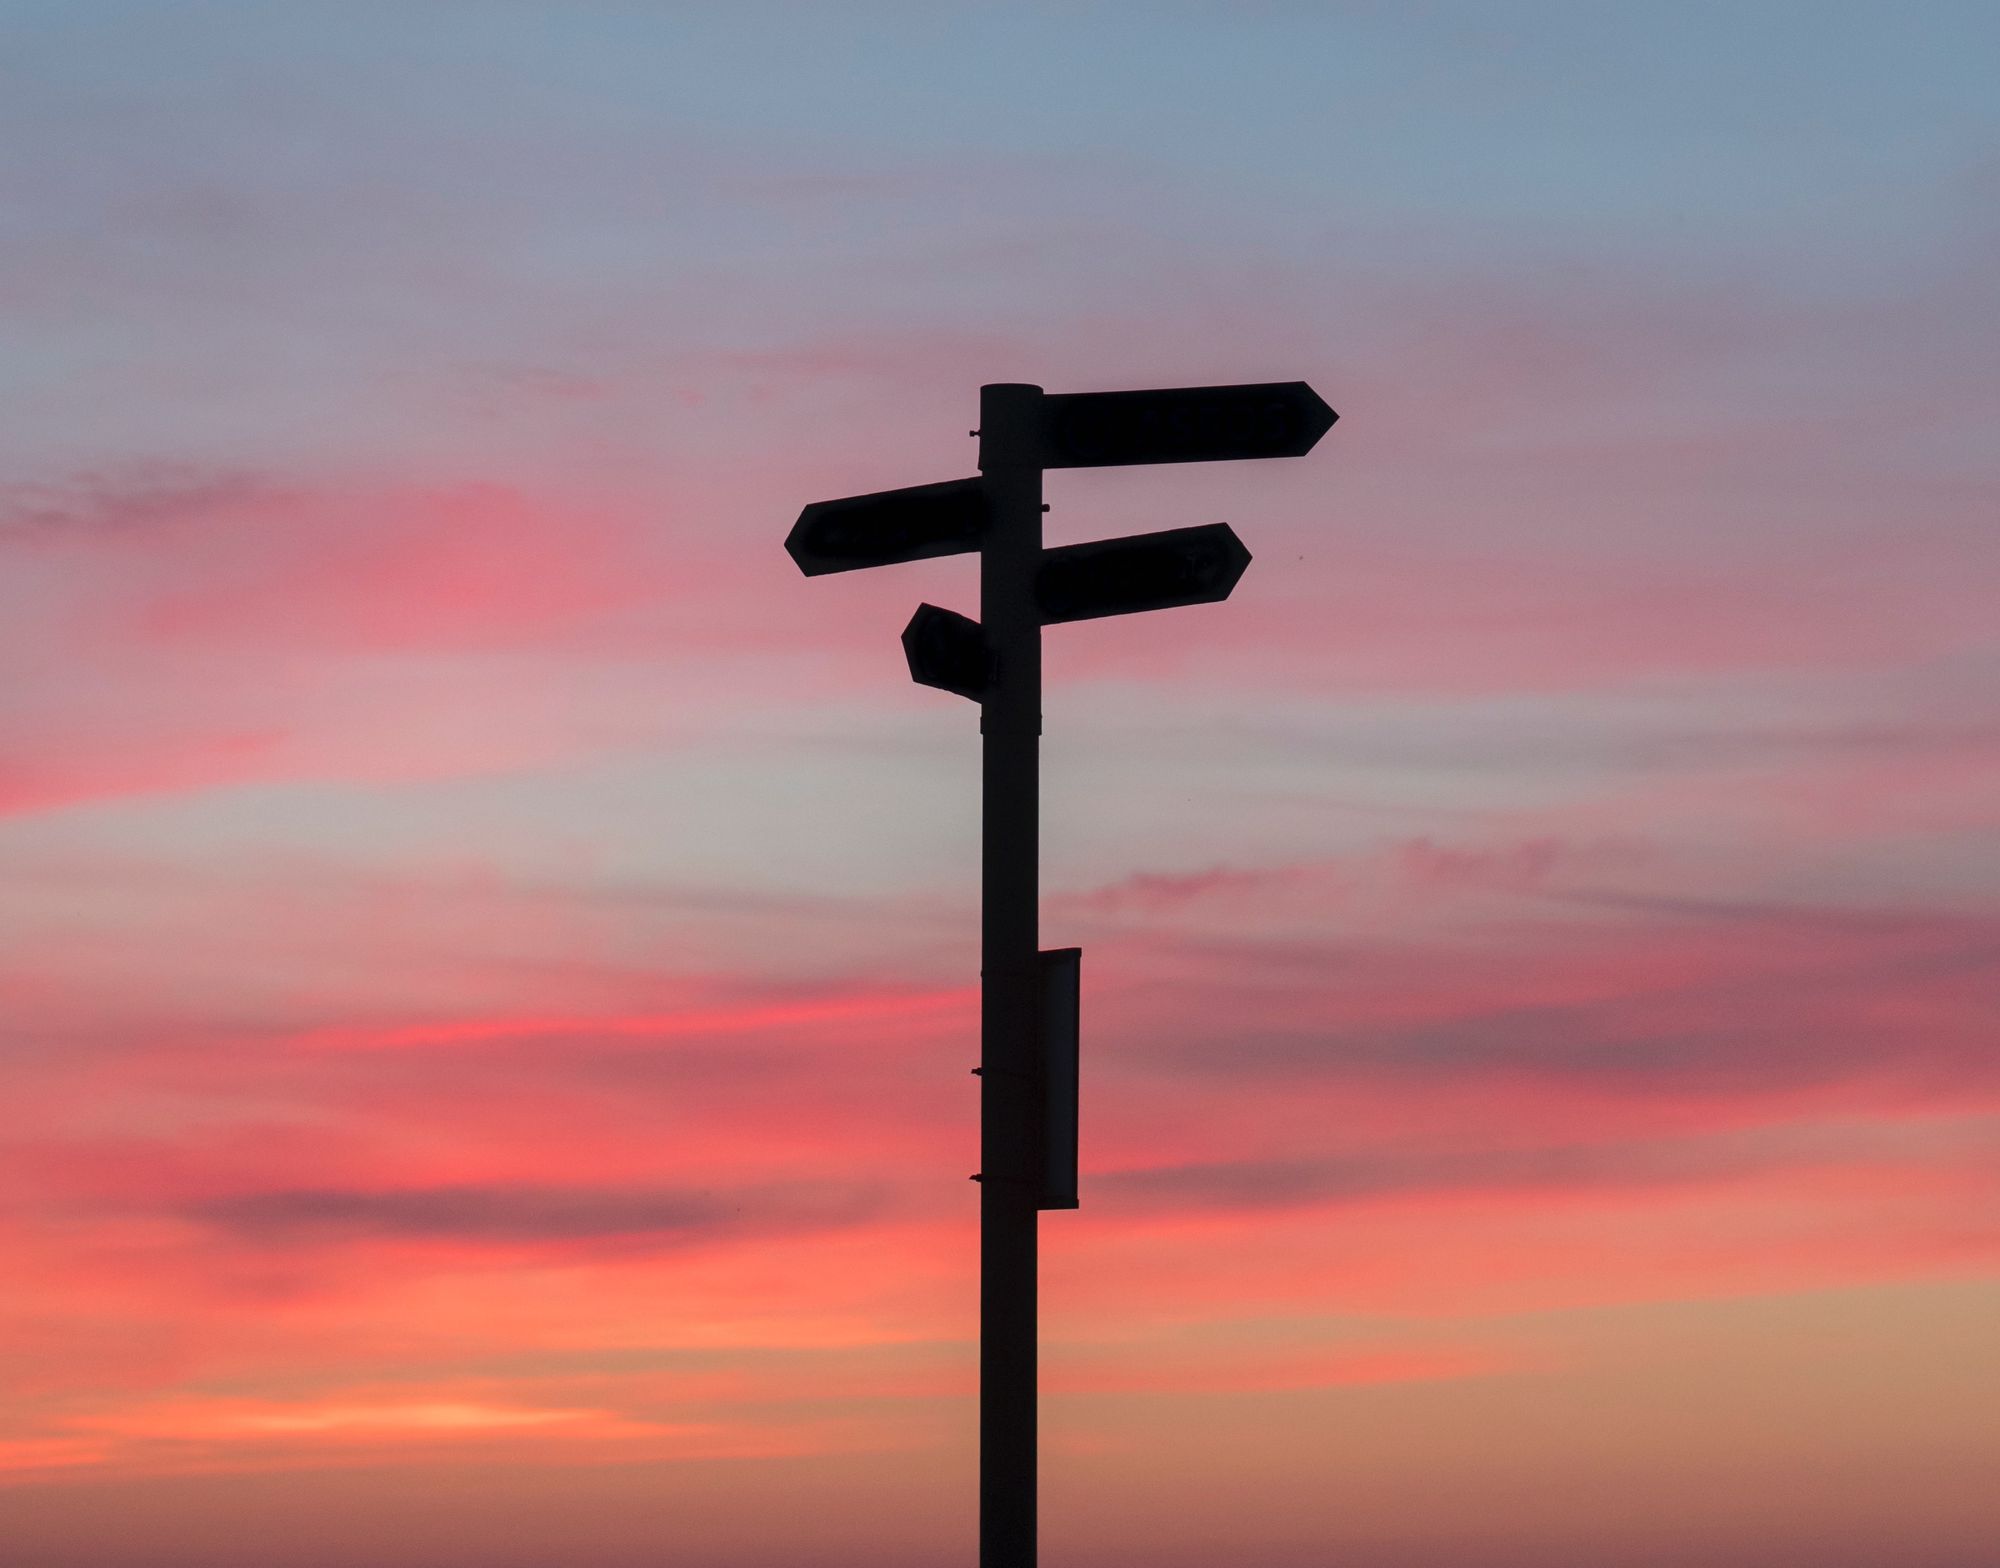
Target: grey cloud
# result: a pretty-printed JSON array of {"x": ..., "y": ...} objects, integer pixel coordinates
[
  {"x": 140, "y": 497},
  {"x": 1361, "y": 1177},
  {"x": 1794, "y": 1022},
  {"x": 507, "y": 1214},
  {"x": 1603, "y": 1045},
  {"x": 1591, "y": 737}
]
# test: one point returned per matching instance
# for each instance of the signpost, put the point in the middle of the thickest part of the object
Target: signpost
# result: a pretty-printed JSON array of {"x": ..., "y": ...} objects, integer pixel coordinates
[{"x": 1029, "y": 998}]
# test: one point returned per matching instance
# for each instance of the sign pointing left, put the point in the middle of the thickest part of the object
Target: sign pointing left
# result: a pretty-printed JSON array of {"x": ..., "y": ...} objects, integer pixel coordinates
[{"x": 889, "y": 526}]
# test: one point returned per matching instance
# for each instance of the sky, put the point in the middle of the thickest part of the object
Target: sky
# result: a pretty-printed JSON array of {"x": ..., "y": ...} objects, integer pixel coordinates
[{"x": 488, "y": 951}]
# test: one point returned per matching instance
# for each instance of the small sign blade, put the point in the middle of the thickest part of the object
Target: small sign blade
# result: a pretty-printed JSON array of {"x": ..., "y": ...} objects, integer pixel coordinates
[
  {"x": 888, "y": 526},
  {"x": 948, "y": 651},
  {"x": 1176, "y": 566},
  {"x": 1182, "y": 424}
]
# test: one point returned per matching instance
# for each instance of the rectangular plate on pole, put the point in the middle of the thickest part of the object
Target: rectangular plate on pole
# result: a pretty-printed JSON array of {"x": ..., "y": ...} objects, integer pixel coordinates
[{"x": 1061, "y": 1005}]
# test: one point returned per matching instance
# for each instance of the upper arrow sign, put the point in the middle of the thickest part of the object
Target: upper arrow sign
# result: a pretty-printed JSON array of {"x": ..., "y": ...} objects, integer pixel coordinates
[
  {"x": 888, "y": 526},
  {"x": 1182, "y": 424},
  {"x": 1078, "y": 582}
]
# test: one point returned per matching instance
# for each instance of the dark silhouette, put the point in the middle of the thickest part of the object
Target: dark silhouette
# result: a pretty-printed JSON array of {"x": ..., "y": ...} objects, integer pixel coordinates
[{"x": 1029, "y": 998}]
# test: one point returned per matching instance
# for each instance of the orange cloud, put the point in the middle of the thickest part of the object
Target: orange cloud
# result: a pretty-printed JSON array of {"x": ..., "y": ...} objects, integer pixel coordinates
[
  {"x": 48, "y": 1453},
  {"x": 1207, "y": 1372},
  {"x": 376, "y": 1421},
  {"x": 874, "y": 1006}
]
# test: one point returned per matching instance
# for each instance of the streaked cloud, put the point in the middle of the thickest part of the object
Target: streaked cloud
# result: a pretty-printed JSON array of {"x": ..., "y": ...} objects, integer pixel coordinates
[{"x": 512, "y": 1214}]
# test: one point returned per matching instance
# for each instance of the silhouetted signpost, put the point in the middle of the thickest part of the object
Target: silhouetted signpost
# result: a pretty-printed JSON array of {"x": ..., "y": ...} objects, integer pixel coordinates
[{"x": 1029, "y": 998}]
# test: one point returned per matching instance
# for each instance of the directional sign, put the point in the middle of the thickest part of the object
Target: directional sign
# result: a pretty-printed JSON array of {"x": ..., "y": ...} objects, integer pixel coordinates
[
  {"x": 1182, "y": 424},
  {"x": 1078, "y": 582},
  {"x": 948, "y": 651},
  {"x": 888, "y": 526}
]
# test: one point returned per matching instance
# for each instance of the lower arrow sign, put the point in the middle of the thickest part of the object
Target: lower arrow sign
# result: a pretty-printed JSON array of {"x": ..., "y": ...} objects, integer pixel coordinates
[{"x": 1079, "y": 582}]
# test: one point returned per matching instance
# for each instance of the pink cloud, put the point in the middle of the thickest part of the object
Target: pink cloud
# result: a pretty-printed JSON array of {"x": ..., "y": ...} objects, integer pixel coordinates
[
  {"x": 70, "y": 775},
  {"x": 877, "y": 1008},
  {"x": 476, "y": 566},
  {"x": 1155, "y": 892},
  {"x": 1525, "y": 865},
  {"x": 1219, "y": 1371}
]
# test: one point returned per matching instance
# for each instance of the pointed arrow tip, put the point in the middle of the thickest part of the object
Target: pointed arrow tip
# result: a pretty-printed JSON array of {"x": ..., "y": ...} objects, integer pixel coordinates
[
  {"x": 795, "y": 546},
  {"x": 1319, "y": 416},
  {"x": 1238, "y": 555}
]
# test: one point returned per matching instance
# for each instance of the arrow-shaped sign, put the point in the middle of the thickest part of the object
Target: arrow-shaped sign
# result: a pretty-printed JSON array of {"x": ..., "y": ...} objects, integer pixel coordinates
[
  {"x": 948, "y": 650},
  {"x": 1078, "y": 582},
  {"x": 1182, "y": 424},
  {"x": 888, "y": 526}
]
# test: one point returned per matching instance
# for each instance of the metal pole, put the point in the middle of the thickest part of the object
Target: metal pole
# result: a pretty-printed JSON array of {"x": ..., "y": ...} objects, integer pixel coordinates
[{"x": 1010, "y": 992}]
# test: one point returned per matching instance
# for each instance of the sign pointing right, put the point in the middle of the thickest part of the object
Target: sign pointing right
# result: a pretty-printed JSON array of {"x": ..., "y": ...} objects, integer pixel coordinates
[
  {"x": 1182, "y": 424},
  {"x": 1079, "y": 582}
]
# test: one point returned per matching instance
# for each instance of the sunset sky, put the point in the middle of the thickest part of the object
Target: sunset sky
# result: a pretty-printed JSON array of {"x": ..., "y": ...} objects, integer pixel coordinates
[{"x": 488, "y": 952}]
